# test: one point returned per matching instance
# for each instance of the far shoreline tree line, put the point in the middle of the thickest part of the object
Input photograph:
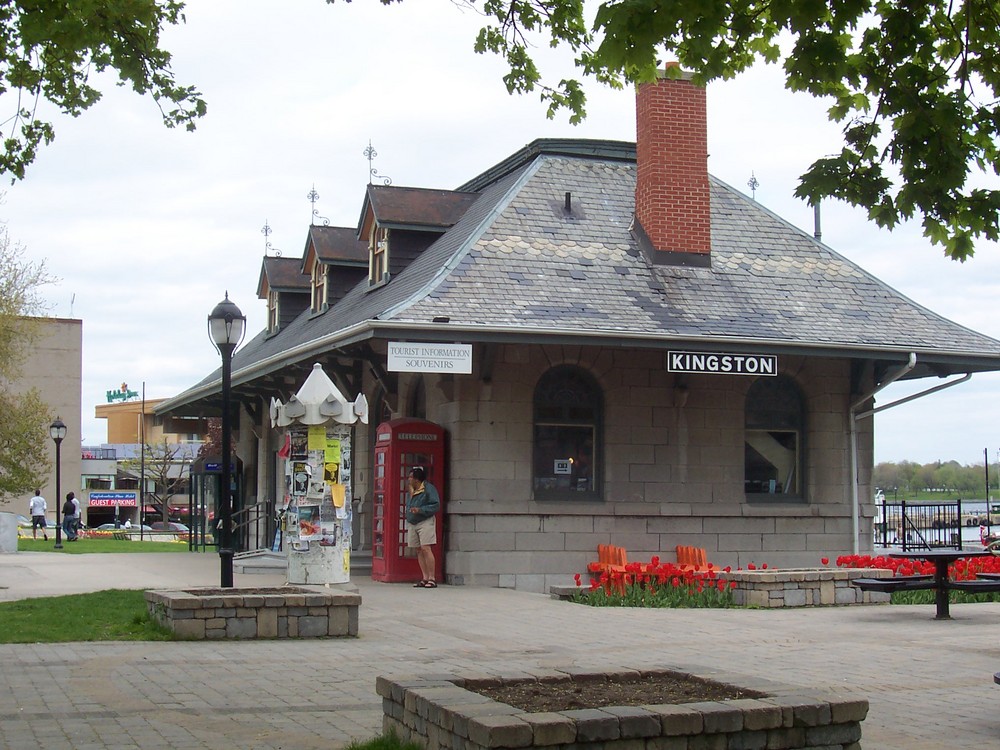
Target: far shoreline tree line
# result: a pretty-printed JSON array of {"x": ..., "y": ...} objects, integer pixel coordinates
[{"x": 907, "y": 480}]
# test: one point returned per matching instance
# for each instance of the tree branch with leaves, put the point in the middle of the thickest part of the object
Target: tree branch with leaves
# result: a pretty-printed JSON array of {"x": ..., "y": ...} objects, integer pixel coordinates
[
  {"x": 51, "y": 51},
  {"x": 914, "y": 85}
]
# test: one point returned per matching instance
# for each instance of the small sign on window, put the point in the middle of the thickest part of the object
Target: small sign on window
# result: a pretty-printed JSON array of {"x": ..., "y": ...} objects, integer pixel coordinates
[{"x": 562, "y": 466}]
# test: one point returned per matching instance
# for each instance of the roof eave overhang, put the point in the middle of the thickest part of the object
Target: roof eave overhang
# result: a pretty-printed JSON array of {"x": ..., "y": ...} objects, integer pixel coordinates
[{"x": 933, "y": 363}]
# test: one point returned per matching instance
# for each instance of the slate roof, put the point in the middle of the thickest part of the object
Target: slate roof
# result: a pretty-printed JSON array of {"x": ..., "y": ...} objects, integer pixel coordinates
[
  {"x": 417, "y": 207},
  {"x": 281, "y": 275},
  {"x": 518, "y": 267},
  {"x": 338, "y": 245}
]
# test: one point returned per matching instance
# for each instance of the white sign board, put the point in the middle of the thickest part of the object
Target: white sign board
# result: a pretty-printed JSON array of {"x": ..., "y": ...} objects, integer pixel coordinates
[
  {"x": 723, "y": 364},
  {"x": 111, "y": 499},
  {"x": 422, "y": 357}
]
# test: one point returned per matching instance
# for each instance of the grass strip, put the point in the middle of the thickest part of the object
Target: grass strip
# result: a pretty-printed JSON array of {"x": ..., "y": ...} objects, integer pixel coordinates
[
  {"x": 85, "y": 545},
  {"x": 112, "y": 615}
]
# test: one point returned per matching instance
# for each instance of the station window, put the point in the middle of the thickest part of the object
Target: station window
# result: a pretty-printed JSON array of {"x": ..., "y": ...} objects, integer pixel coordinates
[
  {"x": 318, "y": 287},
  {"x": 567, "y": 436},
  {"x": 773, "y": 450},
  {"x": 272, "y": 311},
  {"x": 378, "y": 255}
]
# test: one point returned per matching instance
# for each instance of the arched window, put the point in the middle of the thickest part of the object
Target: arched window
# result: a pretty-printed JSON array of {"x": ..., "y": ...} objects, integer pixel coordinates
[
  {"x": 567, "y": 441},
  {"x": 774, "y": 433}
]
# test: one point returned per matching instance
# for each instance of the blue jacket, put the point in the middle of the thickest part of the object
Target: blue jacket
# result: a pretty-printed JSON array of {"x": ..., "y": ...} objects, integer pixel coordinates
[{"x": 422, "y": 504}]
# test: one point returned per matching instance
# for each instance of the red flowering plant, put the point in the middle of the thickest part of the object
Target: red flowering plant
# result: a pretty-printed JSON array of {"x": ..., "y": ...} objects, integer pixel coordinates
[
  {"x": 657, "y": 584},
  {"x": 963, "y": 569}
]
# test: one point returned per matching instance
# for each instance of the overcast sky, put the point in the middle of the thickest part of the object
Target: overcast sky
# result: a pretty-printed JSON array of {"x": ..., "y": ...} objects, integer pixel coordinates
[{"x": 147, "y": 228}]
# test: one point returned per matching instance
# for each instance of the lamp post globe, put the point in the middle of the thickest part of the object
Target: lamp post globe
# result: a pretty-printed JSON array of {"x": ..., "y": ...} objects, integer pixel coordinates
[
  {"x": 226, "y": 326},
  {"x": 57, "y": 431}
]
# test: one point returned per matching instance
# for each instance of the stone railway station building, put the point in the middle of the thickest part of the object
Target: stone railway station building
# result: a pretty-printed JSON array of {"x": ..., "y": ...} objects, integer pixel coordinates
[{"x": 657, "y": 359}]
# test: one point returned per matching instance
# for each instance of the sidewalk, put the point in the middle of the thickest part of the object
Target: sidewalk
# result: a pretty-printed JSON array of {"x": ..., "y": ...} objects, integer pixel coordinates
[{"x": 929, "y": 682}]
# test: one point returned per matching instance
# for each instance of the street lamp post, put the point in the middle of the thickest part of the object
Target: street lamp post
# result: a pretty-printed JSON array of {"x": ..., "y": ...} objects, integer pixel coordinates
[
  {"x": 57, "y": 430},
  {"x": 226, "y": 326}
]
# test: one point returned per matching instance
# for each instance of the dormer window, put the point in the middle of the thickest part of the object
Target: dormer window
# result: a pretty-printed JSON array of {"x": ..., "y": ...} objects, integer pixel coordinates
[
  {"x": 272, "y": 311},
  {"x": 318, "y": 287},
  {"x": 378, "y": 255}
]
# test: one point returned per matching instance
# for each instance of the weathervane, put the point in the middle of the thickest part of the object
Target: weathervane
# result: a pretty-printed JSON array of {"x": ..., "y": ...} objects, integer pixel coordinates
[
  {"x": 266, "y": 231},
  {"x": 313, "y": 196},
  {"x": 370, "y": 153},
  {"x": 753, "y": 184}
]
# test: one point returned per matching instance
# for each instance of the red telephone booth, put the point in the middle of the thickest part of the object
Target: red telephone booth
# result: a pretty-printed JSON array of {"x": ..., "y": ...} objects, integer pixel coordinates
[{"x": 401, "y": 444}]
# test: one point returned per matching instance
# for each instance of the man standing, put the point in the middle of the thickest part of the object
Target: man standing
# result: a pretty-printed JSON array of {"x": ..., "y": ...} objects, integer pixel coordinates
[
  {"x": 421, "y": 524},
  {"x": 37, "y": 508},
  {"x": 71, "y": 513}
]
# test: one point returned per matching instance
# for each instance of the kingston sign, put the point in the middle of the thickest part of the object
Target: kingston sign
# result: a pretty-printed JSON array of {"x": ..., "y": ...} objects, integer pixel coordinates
[{"x": 723, "y": 364}]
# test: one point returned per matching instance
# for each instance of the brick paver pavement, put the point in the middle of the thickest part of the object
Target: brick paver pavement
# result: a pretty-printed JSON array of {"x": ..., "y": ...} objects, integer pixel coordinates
[{"x": 929, "y": 682}]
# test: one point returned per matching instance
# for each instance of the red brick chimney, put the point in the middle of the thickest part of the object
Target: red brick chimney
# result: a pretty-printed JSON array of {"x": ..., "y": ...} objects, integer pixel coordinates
[{"x": 671, "y": 189}]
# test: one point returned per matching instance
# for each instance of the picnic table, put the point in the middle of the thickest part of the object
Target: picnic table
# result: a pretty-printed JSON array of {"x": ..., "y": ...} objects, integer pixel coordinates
[{"x": 940, "y": 583}]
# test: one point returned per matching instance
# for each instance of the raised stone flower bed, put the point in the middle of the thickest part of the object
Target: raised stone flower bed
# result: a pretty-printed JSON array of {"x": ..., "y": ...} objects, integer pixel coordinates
[
  {"x": 805, "y": 587},
  {"x": 449, "y": 713},
  {"x": 244, "y": 613},
  {"x": 800, "y": 587}
]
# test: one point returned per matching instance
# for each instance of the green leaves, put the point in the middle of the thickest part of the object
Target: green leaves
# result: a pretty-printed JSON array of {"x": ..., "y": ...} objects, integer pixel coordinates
[
  {"x": 914, "y": 85},
  {"x": 49, "y": 48}
]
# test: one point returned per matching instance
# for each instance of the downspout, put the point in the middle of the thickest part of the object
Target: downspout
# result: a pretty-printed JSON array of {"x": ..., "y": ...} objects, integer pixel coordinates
[
  {"x": 853, "y": 427},
  {"x": 855, "y": 417}
]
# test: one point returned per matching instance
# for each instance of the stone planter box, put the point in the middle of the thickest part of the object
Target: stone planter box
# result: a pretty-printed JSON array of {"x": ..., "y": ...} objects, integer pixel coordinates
[
  {"x": 280, "y": 612},
  {"x": 445, "y": 713},
  {"x": 805, "y": 587}
]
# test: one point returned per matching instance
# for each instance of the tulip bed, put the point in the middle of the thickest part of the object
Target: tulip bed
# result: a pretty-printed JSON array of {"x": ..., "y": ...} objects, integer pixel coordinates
[
  {"x": 657, "y": 584},
  {"x": 964, "y": 569}
]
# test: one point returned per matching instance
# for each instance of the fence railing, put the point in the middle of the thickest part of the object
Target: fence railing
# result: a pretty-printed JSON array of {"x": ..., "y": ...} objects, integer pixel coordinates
[{"x": 919, "y": 525}]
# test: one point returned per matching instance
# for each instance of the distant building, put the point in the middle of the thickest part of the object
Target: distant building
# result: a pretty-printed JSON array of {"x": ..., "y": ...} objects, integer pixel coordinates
[
  {"x": 133, "y": 421},
  {"x": 54, "y": 365},
  {"x": 117, "y": 466}
]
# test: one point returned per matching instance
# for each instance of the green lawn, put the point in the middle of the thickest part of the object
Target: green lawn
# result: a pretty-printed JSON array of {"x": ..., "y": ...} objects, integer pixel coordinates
[
  {"x": 114, "y": 615},
  {"x": 93, "y": 544}
]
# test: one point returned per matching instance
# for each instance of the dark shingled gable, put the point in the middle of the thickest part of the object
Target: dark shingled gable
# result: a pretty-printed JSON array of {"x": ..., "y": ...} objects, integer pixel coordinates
[
  {"x": 518, "y": 267},
  {"x": 282, "y": 275},
  {"x": 338, "y": 245},
  {"x": 406, "y": 206}
]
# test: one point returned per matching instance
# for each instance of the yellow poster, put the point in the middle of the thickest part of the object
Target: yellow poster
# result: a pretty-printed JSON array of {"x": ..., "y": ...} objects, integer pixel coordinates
[
  {"x": 317, "y": 438},
  {"x": 332, "y": 445},
  {"x": 338, "y": 493}
]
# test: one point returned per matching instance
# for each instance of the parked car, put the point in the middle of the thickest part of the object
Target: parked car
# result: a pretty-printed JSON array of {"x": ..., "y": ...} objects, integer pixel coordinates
[
  {"x": 121, "y": 527},
  {"x": 177, "y": 528}
]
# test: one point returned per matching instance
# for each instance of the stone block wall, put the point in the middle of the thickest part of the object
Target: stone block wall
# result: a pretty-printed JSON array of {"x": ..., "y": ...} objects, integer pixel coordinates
[
  {"x": 447, "y": 714},
  {"x": 672, "y": 458},
  {"x": 283, "y": 612}
]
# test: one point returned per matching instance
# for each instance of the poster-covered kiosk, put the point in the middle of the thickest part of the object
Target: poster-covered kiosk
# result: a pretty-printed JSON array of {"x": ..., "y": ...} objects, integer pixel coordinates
[
  {"x": 315, "y": 483},
  {"x": 401, "y": 444}
]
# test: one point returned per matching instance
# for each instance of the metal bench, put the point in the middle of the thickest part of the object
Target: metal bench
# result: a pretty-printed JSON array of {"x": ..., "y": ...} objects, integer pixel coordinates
[
  {"x": 979, "y": 586},
  {"x": 897, "y": 583}
]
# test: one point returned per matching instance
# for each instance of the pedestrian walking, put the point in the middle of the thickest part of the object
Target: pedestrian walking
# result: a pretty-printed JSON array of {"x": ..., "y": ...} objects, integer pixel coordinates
[{"x": 37, "y": 508}]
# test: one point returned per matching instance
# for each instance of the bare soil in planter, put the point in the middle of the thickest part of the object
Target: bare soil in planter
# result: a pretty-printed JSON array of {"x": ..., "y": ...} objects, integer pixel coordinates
[
  {"x": 567, "y": 695},
  {"x": 248, "y": 591}
]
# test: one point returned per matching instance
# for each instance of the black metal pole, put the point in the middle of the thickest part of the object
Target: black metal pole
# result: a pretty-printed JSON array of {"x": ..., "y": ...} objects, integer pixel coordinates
[
  {"x": 58, "y": 498},
  {"x": 226, "y": 498}
]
